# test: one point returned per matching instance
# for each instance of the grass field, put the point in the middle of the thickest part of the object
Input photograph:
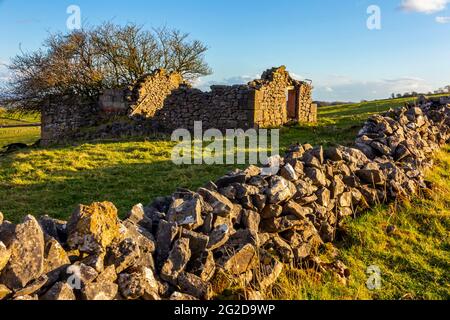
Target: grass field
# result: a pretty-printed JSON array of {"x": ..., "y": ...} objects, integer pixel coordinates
[
  {"x": 18, "y": 134},
  {"x": 13, "y": 118},
  {"x": 414, "y": 261},
  {"x": 24, "y": 135}
]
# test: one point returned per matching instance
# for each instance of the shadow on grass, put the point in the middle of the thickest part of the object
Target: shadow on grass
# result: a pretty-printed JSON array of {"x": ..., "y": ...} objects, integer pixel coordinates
[
  {"x": 124, "y": 171},
  {"x": 125, "y": 185}
]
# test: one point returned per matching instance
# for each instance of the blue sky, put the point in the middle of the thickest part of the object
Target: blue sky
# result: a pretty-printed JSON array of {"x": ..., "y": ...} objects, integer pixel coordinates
[{"x": 323, "y": 40}]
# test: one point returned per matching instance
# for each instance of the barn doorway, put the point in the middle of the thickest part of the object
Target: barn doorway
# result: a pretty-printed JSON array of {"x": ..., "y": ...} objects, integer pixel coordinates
[{"x": 291, "y": 97}]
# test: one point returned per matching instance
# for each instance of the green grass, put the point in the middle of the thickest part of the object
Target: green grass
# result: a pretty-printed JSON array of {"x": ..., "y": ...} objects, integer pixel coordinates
[
  {"x": 23, "y": 134},
  {"x": 18, "y": 134},
  {"x": 14, "y": 118},
  {"x": 414, "y": 261}
]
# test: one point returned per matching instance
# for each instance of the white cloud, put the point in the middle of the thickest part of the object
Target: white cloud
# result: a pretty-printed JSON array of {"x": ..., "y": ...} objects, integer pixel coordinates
[
  {"x": 346, "y": 89},
  {"x": 424, "y": 6},
  {"x": 337, "y": 87},
  {"x": 296, "y": 76},
  {"x": 443, "y": 20}
]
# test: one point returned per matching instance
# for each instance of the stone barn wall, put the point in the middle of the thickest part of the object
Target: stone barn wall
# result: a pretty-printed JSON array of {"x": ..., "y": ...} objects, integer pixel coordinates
[
  {"x": 59, "y": 121},
  {"x": 166, "y": 102},
  {"x": 307, "y": 109},
  {"x": 152, "y": 90},
  {"x": 223, "y": 108},
  {"x": 272, "y": 92},
  {"x": 260, "y": 104}
]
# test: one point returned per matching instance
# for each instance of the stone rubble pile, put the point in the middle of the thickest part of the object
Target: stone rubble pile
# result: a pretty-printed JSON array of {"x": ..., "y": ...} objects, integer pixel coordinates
[{"x": 238, "y": 232}]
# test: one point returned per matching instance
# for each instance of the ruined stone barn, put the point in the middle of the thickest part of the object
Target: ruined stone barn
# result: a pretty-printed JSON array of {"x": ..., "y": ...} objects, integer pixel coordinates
[{"x": 165, "y": 101}]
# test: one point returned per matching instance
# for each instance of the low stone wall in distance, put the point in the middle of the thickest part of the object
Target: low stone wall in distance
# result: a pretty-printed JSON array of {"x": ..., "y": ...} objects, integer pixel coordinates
[{"x": 61, "y": 120}]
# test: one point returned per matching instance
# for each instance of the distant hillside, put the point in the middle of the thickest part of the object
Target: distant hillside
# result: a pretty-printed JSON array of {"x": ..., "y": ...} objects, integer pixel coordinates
[{"x": 334, "y": 103}]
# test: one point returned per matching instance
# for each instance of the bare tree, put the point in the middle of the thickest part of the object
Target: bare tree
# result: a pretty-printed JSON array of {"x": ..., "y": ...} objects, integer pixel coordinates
[{"x": 85, "y": 62}]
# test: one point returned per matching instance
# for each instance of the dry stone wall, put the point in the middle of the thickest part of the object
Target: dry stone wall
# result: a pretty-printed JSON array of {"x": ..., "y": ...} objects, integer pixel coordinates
[
  {"x": 151, "y": 91},
  {"x": 260, "y": 104},
  {"x": 223, "y": 108},
  {"x": 166, "y": 102},
  {"x": 271, "y": 101},
  {"x": 240, "y": 230},
  {"x": 307, "y": 109},
  {"x": 61, "y": 120}
]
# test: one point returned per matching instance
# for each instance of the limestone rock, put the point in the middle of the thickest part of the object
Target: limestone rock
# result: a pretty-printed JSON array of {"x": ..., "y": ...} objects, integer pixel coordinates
[
  {"x": 144, "y": 240},
  {"x": 333, "y": 154},
  {"x": 165, "y": 236},
  {"x": 278, "y": 225},
  {"x": 139, "y": 284},
  {"x": 268, "y": 273},
  {"x": 54, "y": 228},
  {"x": 109, "y": 274},
  {"x": 197, "y": 242},
  {"x": 233, "y": 177},
  {"x": 4, "y": 292},
  {"x": 124, "y": 255},
  {"x": 371, "y": 174},
  {"x": 293, "y": 208},
  {"x": 220, "y": 204},
  {"x": 95, "y": 261},
  {"x": 288, "y": 173},
  {"x": 131, "y": 285},
  {"x": 4, "y": 256},
  {"x": 26, "y": 262},
  {"x": 153, "y": 287},
  {"x": 323, "y": 197},
  {"x": 280, "y": 190},
  {"x": 311, "y": 161},
  {"x": 100, "y": 291},
  {"x": 194, "y": 286},
  {"x": 178, "y": 296},
  {"x": 26, "y": 298},
  {"x": 55, "y": 259},
  {"x": 79, "y": 275},
  {"x": 186, "y": 213},
  {"x": 251, "y": 220},
  {"x": 239, "y": 261},
  {"x": 219, "y": 236},
  {"x": 177, "y": 261},
  {"x": 280, "y": 248},
  {"x": 203, "y": 267},
  {"x": 93, "y": 228},
  {"x": 60, "y": 291},
  {"x": 271, "y": 211},
  {"x": 32, "y": 287},
  {"x": 345, "y": 199},
  {"x": 259, "y": 200},
  {"x": 317, "y": 176},
  {"x": 245, "y": 190},
  {"x": 137, "y": 216},
  {"x": 337, "y": 187}
]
